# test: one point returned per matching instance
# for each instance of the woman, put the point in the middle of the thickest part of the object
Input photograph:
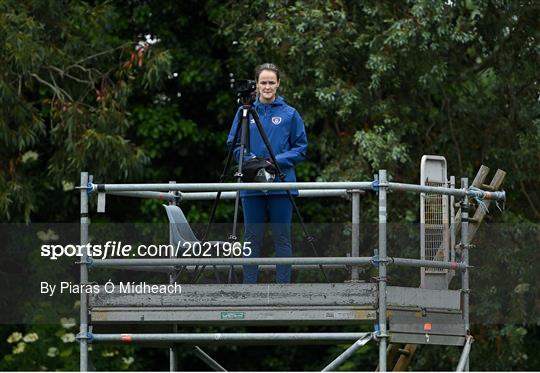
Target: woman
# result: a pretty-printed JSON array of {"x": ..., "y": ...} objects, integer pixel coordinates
[{"x": 286, "y": 133}]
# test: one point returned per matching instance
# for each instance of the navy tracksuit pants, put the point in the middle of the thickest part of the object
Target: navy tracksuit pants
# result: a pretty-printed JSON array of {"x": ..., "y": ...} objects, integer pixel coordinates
[{"x": 278, "y": 210}]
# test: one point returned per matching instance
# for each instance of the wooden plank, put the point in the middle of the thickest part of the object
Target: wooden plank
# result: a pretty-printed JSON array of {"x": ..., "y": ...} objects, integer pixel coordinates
[
  {"x": 477, "y": 183},
  {"x": 479, "y": 179},
  {"x": 480, "y": 213},
  {"x": 405, "y": 358}
]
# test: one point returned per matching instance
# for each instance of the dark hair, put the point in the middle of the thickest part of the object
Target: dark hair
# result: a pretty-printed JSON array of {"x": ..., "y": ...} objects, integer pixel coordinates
[{"x": 266, "y": 66}]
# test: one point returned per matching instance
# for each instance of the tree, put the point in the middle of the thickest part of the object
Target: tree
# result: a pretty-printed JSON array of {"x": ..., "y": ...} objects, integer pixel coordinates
[
  {"x": 65, "y": 82},
  {"x": 64, "y": 88},
  {"x": 378, "y": 83},
  {"x": 382, "y": 83}
]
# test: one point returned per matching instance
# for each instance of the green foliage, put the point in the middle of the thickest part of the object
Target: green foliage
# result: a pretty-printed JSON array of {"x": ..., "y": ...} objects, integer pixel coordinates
[
  {"x": 54, "y": 347},
  {"x": 65, "y": 81},
  {"x": 382, "y": 83},
  {"x": 378, "y": 83}
]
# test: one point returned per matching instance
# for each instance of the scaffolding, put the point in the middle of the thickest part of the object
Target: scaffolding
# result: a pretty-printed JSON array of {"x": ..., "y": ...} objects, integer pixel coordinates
[{"x": 399, "y": 314}]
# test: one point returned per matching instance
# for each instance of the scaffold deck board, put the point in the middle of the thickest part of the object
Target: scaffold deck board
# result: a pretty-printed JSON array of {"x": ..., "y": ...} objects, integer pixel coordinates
[
  {"x": 431, "y": 339},
  {"x": 423, "y": 298},
  {"x": 427, "y": 327},
  {"x": 232, "y": 316},
  {"x": 339, "y": 303},
  {"x": 234, "y": 295}
]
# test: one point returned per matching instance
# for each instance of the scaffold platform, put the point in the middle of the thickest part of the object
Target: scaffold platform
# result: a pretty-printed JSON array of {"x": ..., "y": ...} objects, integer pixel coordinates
[
  {"x": 409, "y": 309},
  {"x": 431, "y": 314}
]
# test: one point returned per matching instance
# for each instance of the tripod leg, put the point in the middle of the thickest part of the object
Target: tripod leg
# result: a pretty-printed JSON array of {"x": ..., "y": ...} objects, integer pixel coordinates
[
  {"x": 222, "y": 178},
  {"x": 218, "y": 196},
  {"x": 308, "y": 238},
  {"x": 243, "y": 140},
  {"x": 248, "y": 144}
]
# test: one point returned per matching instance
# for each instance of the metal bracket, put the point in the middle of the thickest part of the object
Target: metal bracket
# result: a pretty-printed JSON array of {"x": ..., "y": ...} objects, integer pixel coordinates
[{"x": 101, "y": 202}]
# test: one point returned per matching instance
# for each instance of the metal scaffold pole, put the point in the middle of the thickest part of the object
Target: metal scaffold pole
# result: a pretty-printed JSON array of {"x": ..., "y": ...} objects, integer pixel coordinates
[
  {"x": 382, "y": 335},
  {"x": 224, "y": 338},
  {"x": 324, "y": 188},
  {"x": 355, "y": 245},
  {"x": 208, "y": 360},
  {"x": 464, "y": 358},
  {"x": 465, "y": 260},
  {"x": 173, "y": 350},
  {"x": 300, "y": 261},
  {"x": 83, "y": 330},
  {"x": 347, "y": 353}
]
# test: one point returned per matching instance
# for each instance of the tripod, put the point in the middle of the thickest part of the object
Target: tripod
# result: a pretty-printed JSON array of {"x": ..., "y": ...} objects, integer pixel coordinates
[{"x": 242, "y": 129}]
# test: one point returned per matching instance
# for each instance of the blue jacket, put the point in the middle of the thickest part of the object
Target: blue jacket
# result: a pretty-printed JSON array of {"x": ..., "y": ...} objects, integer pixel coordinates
[{"x": 285, "y": 130}]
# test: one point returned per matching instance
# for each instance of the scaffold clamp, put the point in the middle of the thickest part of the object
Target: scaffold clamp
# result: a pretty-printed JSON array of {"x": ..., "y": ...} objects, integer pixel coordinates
[
  {"x": 89, "y": 187},
  {"x": 377, "y": 333},
  {"x": 88, "y": 261},
  {"x": 88, "y": 336},
  {"x": 375, "y": 260}
]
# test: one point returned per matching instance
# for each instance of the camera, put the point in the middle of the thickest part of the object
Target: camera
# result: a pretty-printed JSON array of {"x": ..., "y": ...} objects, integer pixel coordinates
[
  {"x": 245, "y": 89},
  {"x": 245, "y": 86}
]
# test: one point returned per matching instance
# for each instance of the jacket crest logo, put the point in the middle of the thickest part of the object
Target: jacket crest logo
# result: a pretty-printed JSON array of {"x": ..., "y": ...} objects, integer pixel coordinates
[{"x": 276, "y": 120}]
